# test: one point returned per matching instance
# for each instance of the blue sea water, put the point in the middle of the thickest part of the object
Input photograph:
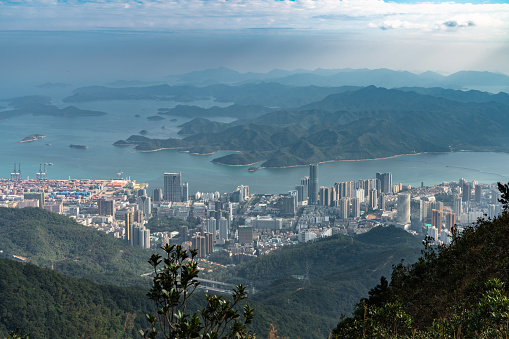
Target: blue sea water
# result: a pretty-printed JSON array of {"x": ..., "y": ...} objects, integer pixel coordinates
[{"x": 102, "y": 160}]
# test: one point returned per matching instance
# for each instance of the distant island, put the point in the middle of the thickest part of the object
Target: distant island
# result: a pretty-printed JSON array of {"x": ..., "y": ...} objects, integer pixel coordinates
[
  {"x": 32, "y": 137},
  {"x": 78, "y": 146}
]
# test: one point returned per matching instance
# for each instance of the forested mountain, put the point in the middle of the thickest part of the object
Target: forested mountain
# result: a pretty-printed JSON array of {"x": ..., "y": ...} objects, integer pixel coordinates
[
  {"x": 52, "y": 240},
  {"x": 339, "y": 271},
  {"x": 45, "y": 304},
  {"x": 365, "y": 123},
  {"x": 459, "y": 290}
]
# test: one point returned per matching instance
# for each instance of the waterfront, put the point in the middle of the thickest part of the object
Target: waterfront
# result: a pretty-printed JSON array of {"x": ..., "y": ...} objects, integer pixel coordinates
[{"x": 102, "y": 160}]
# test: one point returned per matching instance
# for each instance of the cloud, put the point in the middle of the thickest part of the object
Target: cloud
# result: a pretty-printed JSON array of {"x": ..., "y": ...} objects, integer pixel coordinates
[
  {"x": 454, "y": 24},
  {"x": 346, "y": 16}
]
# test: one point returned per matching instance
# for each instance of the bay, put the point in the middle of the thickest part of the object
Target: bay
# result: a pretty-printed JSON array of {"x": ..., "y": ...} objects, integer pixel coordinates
[{"x": 102, "y": 160}]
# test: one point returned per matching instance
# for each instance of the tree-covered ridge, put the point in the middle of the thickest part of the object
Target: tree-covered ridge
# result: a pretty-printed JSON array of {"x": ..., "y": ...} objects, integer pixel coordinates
[
  {"x": 339, "y": 270},
  {"x": 46, "y": 304},
  {"x": 49, "y": 239},
  {"x": 459, "y": 291},
  {"x": 364, "y": 123}
]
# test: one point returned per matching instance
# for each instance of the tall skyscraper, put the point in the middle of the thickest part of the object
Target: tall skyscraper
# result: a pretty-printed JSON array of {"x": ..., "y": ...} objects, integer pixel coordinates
[
  {"x": 172, "y": 187},
  {"x": 185, "y": 191},
  {"x": 313, "y": 184},
  {"x": 106, "y": 207},
  {"x": 157, "y": 195},
  {"x": 356, "y": 207},
  {"x": 450, "y": 220},
  {"x": 458, "y": 205},
  {"x": 211, "y": 226},
  {"x": 478, "y": 193},
  {"x": 467, "y": 190},
  {"x": 223, "y": 229},
  {"x": 403, "y": 208},
  {"x": 145, "y": 205},
  {"x": 436, "y": 220},
  {"x": 385, "y": 182},
  {"x": 304, "y": 182},
  {"x": 373, "y": 199}
]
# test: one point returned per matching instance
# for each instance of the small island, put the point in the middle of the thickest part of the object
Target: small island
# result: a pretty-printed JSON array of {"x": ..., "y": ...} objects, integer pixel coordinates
[
  {"x": 78, "y": 146},
  {"x": 156, "y": 118},
  {"x": 32, "y": 137}
]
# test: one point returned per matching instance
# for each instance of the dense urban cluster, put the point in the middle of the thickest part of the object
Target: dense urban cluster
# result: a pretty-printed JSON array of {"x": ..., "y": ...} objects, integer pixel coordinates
[{"x": 242, "y": 223}]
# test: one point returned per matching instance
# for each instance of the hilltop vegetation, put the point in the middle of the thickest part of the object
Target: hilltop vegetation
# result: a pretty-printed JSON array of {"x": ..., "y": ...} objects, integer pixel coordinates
[
  {"x": 45, "y": 304},
  {"x": 340, "y": 270},
  {"x": 450, "y": 292},
  {"x": 49, "y": 239}
]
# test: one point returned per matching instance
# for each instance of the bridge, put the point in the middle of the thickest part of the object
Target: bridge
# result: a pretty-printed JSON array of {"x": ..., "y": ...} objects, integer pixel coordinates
[{"x": 215, "y": 286}]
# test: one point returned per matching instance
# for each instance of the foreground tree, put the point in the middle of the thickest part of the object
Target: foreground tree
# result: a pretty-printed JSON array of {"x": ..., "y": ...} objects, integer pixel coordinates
[{"x": 173, "y": 284}]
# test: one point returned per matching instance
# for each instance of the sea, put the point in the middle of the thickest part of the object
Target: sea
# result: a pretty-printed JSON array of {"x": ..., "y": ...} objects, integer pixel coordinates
[{"x": 102, "y": 160}]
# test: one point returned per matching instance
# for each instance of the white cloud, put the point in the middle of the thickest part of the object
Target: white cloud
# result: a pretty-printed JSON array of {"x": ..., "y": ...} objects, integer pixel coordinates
[{"x": 354, "y": 16}]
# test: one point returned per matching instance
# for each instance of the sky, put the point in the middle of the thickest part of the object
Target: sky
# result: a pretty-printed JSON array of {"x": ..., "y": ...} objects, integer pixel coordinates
[{"x": 66, "y": 40}]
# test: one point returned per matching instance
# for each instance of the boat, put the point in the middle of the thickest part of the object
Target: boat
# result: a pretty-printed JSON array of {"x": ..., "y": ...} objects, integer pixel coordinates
[{"x": 78, "y": 146}]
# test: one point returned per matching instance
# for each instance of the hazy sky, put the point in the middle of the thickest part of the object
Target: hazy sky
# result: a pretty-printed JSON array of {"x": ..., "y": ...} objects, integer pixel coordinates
[{"x": 65, "y": 40}]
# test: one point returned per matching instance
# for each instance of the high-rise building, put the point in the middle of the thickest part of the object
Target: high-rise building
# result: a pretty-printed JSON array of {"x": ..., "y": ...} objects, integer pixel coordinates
[
  {"x": 209, "y": 243},
  {"x": 199, "y": 243},
  {"x": 39, "y": 196},
  {"x": 344, "y": 205},
  {"x": 141, "y": 237},
  {"x": 184, "y": 233},
  {"x": 185, "y": 191},
  {"x": 172, "y": 187},
  {"x": 245, "y": 234},
  {"x": 385, "y": 182},
  {"x": 211, "y": 226},
  {"x": 223, "y": 229},
  {"x": 381, "y": 201},
  {"x": 458, "y": 205},
  {"x": 436, "y": 220},
  {"x": 145, "y": 205},
  {"x": 302, "y": 192},
  {"x": 290, "y": 204},
  {"x": 403, "y": 216},
  {"x": 106, "y": 207},
  {"x": 467, "y": 190},
  {"x": 157, "y": 195},
  {"x": 373, "y": 199},
  {"x": 478, "y": 193},
  {"x": 450, "y": 220},
  {"x": 313, "y": 184},
  {"x": 356, "y": 207},
  {"x": 129, "y": 228},
  {"x": 327, "y": 196}
]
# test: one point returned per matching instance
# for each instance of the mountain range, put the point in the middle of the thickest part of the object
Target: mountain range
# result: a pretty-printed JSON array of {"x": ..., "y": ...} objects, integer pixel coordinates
[{"x": 366, "y": 123}]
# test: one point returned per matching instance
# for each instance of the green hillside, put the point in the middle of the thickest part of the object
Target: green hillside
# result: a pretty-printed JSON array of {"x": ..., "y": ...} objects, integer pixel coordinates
[
  {"x": 459, "y": 291},
  {"x": 49, "y": 239},
  {"x": 341, "y": 270},
  {"x": 45, "y": 304}
]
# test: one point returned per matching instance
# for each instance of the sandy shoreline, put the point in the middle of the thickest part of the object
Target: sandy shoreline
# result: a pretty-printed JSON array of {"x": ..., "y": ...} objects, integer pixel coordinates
[{"x": 292, "y": 166}]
